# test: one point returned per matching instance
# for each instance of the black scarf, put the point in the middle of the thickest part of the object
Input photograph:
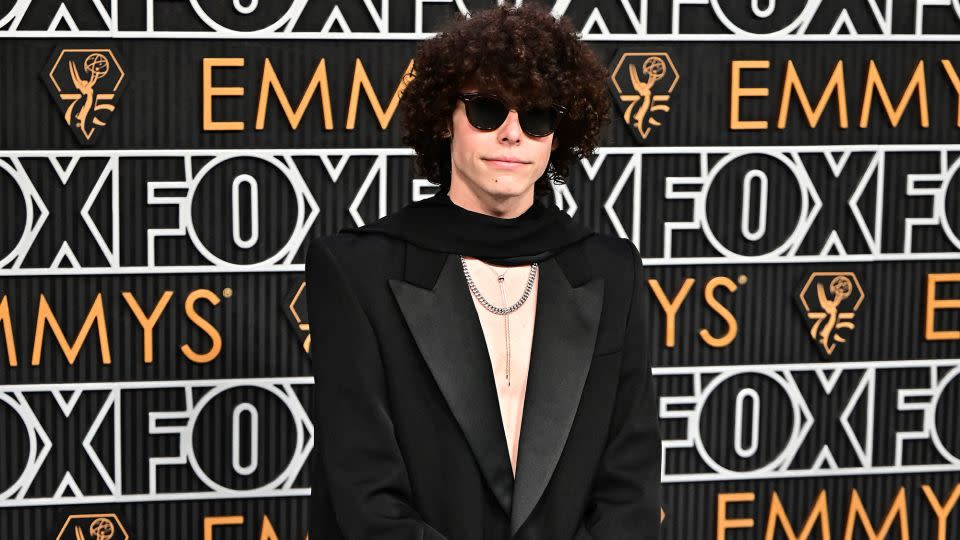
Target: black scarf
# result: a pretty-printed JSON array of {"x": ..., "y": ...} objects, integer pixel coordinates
[{"x": 439, "y": 224}]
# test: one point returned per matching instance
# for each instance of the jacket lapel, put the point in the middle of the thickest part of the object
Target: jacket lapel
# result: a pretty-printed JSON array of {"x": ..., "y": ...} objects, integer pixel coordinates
[
  {"x": 447, "y": 331},
  {"x": 564, "y": 338},
  {"x": 439, "y": 312}
]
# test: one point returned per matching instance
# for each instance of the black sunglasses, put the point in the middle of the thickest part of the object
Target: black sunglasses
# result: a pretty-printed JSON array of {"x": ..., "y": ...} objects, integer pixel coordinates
[{"x": 487, "y": 112}]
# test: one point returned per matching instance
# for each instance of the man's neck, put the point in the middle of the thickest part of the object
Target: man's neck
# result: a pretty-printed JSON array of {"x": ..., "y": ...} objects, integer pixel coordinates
[{"x": 507, "y": 207}]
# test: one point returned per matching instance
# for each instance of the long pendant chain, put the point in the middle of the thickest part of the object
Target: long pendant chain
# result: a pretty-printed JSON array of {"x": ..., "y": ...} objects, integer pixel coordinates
[
  {"x": 504, "y": 311},
  {"x": 506, "y": 321}
]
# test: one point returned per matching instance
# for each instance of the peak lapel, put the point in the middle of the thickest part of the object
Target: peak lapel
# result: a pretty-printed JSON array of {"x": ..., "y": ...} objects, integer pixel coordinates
[
  {"x": 564, "y": 337},
  {"x": 447, "y": 331}
]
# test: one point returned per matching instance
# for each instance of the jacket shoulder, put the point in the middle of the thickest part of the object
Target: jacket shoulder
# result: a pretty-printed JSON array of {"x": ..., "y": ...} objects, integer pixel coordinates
[
  {"x": 611, "y": 254},
  {"x": 363, "y": 261},
  {"x": 609, "y": 244},
  {"x": 352, "y": 248}
]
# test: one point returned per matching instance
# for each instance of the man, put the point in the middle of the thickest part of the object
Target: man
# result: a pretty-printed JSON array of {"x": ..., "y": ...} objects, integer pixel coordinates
[{"x": 480, "y": 358}]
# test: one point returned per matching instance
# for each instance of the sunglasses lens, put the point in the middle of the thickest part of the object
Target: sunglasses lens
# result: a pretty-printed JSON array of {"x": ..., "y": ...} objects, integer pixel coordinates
[
  {"x": 486, "y": 112},
  {"x": 539, "y": 121}
]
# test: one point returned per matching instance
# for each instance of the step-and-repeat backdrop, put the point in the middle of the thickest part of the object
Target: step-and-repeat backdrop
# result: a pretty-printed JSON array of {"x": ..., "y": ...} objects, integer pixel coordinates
[{"x": 787, "y": 169}]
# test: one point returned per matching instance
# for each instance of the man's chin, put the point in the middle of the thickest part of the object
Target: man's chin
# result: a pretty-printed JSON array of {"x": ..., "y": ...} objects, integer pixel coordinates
[{"x": 507, "y": 185}]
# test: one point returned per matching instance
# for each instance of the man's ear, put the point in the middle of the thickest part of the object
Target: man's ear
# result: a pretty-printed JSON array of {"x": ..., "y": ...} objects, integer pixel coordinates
[{"x": 555, "y": 144}]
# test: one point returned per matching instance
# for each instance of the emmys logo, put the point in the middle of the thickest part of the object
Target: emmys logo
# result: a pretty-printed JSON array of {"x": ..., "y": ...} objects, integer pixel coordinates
[
  {"x": 92, "y": 527},
  {"x": 642, "y": 83},
  {"x": 830, "y": 300},
  {"x": 85, "y": 83}
]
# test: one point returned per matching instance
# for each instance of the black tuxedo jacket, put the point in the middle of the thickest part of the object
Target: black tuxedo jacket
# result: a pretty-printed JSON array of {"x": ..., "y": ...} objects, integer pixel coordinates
[{"x": 409, "y": 442}]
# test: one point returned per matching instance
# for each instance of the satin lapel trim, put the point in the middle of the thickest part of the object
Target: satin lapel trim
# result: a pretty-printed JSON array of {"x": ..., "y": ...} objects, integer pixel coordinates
[
  {"x": 564, "y": 338},
  {"x": 447, "y": 330}
]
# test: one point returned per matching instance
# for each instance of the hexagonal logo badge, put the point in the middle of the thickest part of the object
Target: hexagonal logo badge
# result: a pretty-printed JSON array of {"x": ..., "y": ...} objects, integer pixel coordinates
[
  {"x": 86, "y": 84},
  {"x": 93, "y": 527},
  {"x": 829, "y": 301},
  {"x": 641, "y": 84},
  {"x": 296, "y": 311}
]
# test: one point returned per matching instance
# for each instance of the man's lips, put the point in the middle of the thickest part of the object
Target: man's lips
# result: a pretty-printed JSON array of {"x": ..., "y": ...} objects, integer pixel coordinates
[
  {"x": 504, "y": 162},
  {"x": 505, "y": 158}
]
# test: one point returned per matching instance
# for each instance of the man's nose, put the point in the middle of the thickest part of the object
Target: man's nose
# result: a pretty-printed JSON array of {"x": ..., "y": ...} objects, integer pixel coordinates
[{"x": 510, "y": 129}]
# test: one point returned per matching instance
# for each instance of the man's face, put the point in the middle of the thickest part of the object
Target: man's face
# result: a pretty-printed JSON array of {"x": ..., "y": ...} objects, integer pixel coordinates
[{"x": 497, "y": 164}]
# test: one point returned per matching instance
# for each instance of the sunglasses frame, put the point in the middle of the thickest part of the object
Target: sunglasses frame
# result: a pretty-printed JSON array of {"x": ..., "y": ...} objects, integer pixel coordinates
[{"x": 467, "y": 97}]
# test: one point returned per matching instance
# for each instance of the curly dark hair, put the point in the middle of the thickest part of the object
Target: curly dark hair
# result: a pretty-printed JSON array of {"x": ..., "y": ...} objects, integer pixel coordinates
[{"x": 524, "y": 54}]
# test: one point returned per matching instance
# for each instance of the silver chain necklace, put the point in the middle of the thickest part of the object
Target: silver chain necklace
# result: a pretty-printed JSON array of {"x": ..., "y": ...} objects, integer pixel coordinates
[{"x": 505, "y": 311}]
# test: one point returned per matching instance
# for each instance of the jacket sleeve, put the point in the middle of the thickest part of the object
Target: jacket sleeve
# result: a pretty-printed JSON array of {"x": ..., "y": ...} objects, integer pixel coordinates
[
  {"x": 625, "y": 499},
  {"x": 356, "y": 447}
]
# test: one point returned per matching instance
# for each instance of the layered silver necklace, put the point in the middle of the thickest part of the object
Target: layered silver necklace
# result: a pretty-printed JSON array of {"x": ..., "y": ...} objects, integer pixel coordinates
[{"x": 504, "y": 311}]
